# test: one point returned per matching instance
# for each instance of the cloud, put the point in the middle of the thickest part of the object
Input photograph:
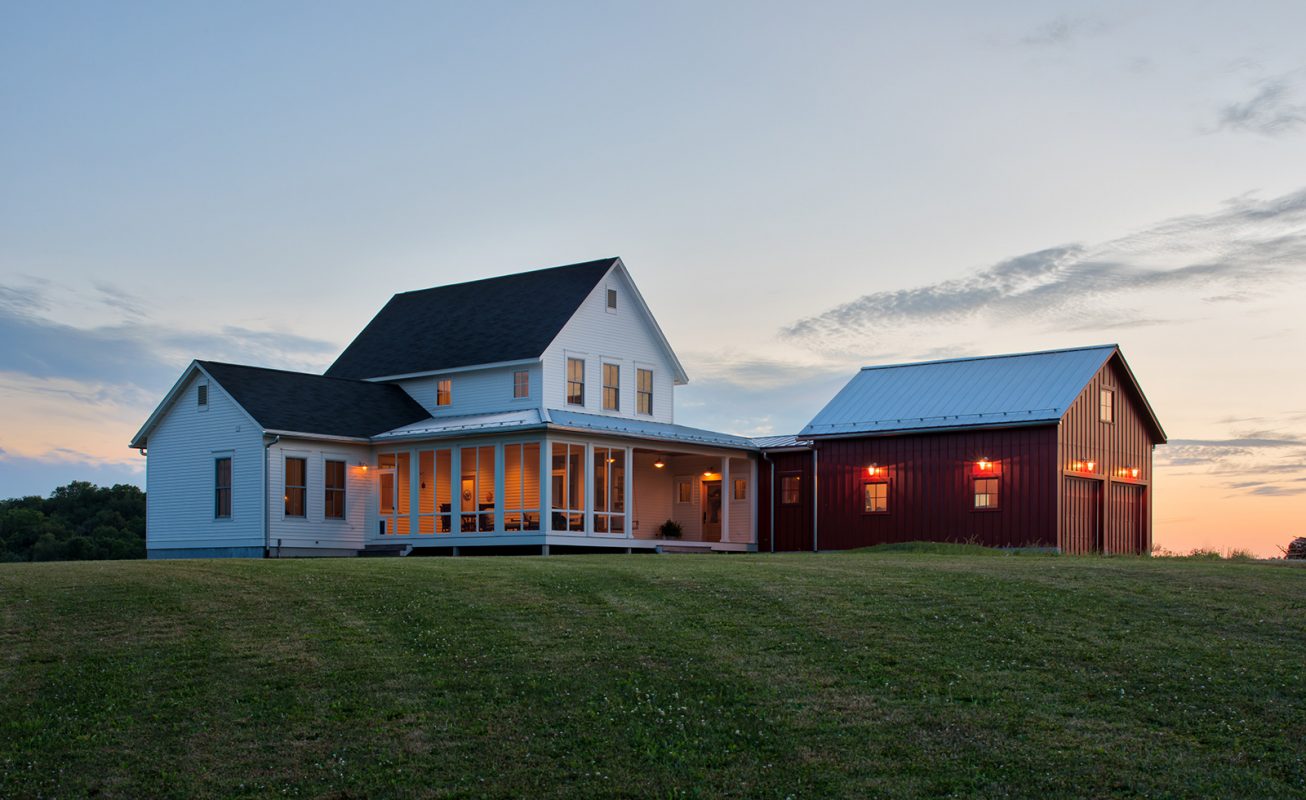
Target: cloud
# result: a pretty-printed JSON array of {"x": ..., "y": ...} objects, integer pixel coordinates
[
  {"x": 1269, "y": 112},
  {"x": 1245, "y": 245},
  {"x": 1240, "y": 444},
  {"x": 1063, "y": 31},
  {"x": 1278, "y": 491}
]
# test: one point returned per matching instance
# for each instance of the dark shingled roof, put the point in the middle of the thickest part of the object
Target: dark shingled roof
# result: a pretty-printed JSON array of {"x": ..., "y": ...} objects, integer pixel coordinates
[
  {"x": 296, "y": 401},
  {"x": 508, "y": 318}
]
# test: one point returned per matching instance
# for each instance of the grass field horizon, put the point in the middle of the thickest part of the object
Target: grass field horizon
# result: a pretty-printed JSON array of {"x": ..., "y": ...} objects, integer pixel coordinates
[{"x": 887, "y": 672}]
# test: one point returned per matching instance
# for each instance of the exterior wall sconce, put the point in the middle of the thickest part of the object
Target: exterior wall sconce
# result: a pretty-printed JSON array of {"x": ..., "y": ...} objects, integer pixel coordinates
[
  {"x": 875, "y": 471},
  {"x": 1083, "y": 466},
  {"x": 986, "y": 466},
  {"x": 1128, "y": 472}
]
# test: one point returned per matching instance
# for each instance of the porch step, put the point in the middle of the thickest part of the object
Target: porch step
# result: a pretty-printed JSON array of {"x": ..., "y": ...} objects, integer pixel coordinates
[
  {"x": 680, "y": 548},
  {"x": 384, "y": 550}
]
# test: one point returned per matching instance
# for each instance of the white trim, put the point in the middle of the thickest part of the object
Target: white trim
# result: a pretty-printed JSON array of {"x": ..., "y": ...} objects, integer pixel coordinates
[{"x": 448, "y": 370}]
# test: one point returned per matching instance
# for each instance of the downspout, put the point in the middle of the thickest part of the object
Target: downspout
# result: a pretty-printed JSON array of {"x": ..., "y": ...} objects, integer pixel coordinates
[
  {"x": 816, "y": 485},
  {"x": 267, "y": 528},
  {"x": 771, "y": 498}
]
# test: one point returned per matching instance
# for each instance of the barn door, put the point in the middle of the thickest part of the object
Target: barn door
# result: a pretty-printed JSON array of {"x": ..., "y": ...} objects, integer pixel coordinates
[
  {"x": 1128, "y": 527},
  {"x": 1081, "y": 525}
]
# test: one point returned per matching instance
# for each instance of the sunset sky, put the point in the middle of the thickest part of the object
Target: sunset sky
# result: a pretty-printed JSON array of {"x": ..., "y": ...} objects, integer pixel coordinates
[{"x": 799, "y": 189}]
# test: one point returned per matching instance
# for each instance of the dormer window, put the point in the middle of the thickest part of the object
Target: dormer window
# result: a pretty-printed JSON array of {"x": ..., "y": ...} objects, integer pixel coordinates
[
  {"x": 444, "y": 392},
  {"x": 612, "y": 299},
  {"x": 521, "y": 384}
]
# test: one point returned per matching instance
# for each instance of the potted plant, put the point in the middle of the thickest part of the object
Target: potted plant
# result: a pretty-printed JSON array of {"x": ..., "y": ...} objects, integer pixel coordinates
[{"x": 670, "y": 529}]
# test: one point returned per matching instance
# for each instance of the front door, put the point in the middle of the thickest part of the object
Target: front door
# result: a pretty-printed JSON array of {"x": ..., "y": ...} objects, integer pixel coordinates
[{"x": 711, "y": 511}]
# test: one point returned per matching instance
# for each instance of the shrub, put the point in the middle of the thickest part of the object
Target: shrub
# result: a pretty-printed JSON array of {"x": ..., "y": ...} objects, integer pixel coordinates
[{"x": 671, "y": 529}]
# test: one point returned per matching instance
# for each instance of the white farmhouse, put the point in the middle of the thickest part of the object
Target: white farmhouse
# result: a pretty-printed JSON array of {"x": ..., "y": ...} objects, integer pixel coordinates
[{"x": 531, "y": 411}]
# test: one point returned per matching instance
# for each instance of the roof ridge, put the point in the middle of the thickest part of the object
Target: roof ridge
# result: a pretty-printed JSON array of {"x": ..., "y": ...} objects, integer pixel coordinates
[
  {"x": 578, "y": 264},
  {"x": 202, "y": 362},
  {"x": 991, "y": 357}
]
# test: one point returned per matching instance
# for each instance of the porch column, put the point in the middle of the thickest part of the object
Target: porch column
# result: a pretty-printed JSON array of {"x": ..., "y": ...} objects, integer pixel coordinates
[
  {"x": 500, "y": 470},
  {"x": 546, "y": 486},
  {"x": 629, "y": 506},
  {"x": 587, "y": 471},
  {"x": 455, "y": 489},
  {"x": 727, "y": 492}
]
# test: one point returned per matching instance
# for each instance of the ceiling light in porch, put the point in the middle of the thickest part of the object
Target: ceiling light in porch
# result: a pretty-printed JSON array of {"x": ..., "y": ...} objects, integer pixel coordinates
[{"x": 659, "y": 463}]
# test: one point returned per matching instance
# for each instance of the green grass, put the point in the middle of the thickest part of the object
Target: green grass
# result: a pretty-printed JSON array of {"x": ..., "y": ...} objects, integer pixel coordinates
[{"x": 853, "y": 675}]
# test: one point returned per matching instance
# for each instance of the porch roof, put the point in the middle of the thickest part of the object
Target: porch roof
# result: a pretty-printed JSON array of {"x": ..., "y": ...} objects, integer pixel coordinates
[
  {"x": 435, "y": 427},
  {"x": 661, "y": 431}
]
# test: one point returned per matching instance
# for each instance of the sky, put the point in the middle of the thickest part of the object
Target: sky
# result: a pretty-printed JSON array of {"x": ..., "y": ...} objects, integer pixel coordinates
[{"x": 799, "y": 189}]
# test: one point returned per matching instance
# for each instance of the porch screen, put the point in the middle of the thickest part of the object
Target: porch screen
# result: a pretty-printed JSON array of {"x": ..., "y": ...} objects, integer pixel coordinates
[
  {"x": 568, "y": 487},
  {"x": 477, "y": 490},
  {"x": 609, "y": 490},
  {"x": 435, "y": 491},
  {"x": 521, "y": 487},
  {"x": 392, "y": 493}
]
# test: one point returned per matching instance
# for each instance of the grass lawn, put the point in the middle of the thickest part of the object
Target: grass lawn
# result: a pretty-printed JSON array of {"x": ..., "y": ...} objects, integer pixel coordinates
[{"x": 842, "y": 675}]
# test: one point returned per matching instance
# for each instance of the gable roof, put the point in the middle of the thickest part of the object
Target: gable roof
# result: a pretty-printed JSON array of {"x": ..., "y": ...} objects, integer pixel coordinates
[
  {"x": 490, "y": 321},
  {"x": 1015, "y": 389},
  {"x": 298, "y": 402}
]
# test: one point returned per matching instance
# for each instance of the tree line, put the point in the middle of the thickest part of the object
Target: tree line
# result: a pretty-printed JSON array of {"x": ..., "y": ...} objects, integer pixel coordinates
[{"x": 77, "y": 522}]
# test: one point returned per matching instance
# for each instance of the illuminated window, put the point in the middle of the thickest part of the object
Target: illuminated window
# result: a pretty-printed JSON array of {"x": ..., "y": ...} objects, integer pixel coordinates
[
  {"x": 684, "y": 491},
  {"x": 741, "y": 489},
  {"x": 612, "y": 299},
  {"x": 393, "y": 493},
  {"x": 1107, "y": 406},
  {"x": 521, "y": 384},
  {"x": 611, "y": 387},
  {"x": 296, "y": 486},
  {"x": 609, "y": 490},
  {"x": 444, "y": 392},
  {"x": 644, "y": 391},
  {"x": 567, "y": 487},
  {"x": 521, "y": 487},
  {"x": 986, "y": 493},
  {"x": 477, "y": 489},
  {"x": 875, "y": 497},
  {"x": 576, "y": 381},
  {"x": 202, "y": 395},
  {"x": 222, "y": 488},
  {"x": 434, "y": 491},
  {"x": 789, "y": 490},
  {"x": 333, "y": 487}
]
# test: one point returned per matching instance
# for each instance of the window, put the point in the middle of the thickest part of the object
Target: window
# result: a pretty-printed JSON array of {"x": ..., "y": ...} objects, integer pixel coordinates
[
  {"x": 986, "y": 493},
  {"x": 521, "y": 384},
  {"x": 612, "y": 299},
  {"x": 741, "y": 489},
  {"x": 1106, "y": 406},
  {"x": 222, "y": 488},
  {"x": 202, "y": 395},
  {"x": 333, "y": 484},
  {"x": 612, "y": 387},
  {"x": 568, "y": 486},
  {"x": 644, "y": 391},
  {"x": 521, "y": 487},
  {"x": 609, "y": 490},
  {"x": 296, "y": 486},
  {"x": 789, "y": 490},
  {"x": 876, "y": 498},
  {"x": 434, "y": 491},
  {"x": 444, "y": 392},
  {"x": 684, "y": 491},
  {"x": 477, "y": 489},
  {"x": 576, "y": 381}
]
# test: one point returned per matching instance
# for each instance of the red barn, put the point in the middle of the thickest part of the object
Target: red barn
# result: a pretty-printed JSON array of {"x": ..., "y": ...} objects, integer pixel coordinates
[{"x": 1050, "y": 449}]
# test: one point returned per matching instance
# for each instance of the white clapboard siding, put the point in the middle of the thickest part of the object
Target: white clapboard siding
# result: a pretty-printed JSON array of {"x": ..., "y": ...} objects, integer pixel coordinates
[
  {"x": 741, "y": 511},
  {"x": 652, "y": 488},
  {"x": 314, "y": 530},
  {"x": 180, "y": 477},
  {"x": 476, "y": 391},
  {"x": 625, "y": 337}
]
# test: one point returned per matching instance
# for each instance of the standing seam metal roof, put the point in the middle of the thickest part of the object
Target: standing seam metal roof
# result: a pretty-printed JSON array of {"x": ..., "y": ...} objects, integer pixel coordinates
[{"x": 1020, "y": 388}]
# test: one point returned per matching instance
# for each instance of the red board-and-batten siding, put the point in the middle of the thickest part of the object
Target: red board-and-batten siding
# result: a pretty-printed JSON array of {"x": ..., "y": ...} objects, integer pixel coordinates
[
  {"x": 1042, "y": 502},
  {"x": 1123, "y": 521}
]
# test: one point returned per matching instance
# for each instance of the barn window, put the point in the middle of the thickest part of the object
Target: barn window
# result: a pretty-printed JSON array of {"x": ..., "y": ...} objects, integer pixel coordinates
[
  {"x": 789, "y": 487},
  {"x": 296, "y": 486},
  {"x": 222, "y": 487},
  {"x": 521, "y": 384},
  {"x": 444, "y": 392},
  {"x": 644, "y": 391},
  {"x": 576, "y": 381},
  {"x": 333, "y": 487},
  {"x": 875, "y": 497},
  {"x": 986, "y": 493},
  {"x": 611, "y": 387},
  {"x": 1107, "y": 406}
]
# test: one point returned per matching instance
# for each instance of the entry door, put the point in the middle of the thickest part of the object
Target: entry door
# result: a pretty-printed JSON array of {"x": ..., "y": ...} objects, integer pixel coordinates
[
  {"x": 385, "y": 496},
  {"x": 711, "y": 511}
]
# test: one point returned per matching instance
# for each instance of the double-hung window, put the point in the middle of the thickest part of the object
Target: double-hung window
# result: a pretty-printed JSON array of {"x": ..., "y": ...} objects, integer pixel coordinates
[
  {"x": 576, "y": 381},
  {"x": 611, "y": 387},
  {"x": 790, "y": 489},
  {"x": 222, "y": 487},
  {"x": 296, "y": 486},
  {"x": 875, "y": 497},
  {"x": 444, "y": 392},
  {"x": 986, "y": 493},
  {"x": 1107, "y": 405},
  {"x": 644, "y": 391},
  {"x": 521, "y": 384},
  {"x": 333, "y": 489}
]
